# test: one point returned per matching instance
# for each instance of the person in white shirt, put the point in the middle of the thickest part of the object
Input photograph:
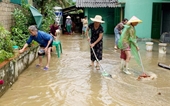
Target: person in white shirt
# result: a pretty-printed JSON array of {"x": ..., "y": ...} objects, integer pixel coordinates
[{"x": 85, "y": 25}]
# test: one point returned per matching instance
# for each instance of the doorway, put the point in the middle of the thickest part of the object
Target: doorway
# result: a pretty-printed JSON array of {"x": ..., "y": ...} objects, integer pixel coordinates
[
  {"x": 160, "y": 19},
  {"x": 165, "y": 17}
]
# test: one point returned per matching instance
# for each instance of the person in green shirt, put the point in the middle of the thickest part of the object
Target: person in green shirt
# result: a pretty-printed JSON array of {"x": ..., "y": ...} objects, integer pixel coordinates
[{"x": 128, "y": 42}]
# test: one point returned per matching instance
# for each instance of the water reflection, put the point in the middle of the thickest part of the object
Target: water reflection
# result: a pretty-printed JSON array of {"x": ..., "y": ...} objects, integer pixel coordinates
[
  {"x": 70, "y": 82},
  {"x": 161, "y": 57}
]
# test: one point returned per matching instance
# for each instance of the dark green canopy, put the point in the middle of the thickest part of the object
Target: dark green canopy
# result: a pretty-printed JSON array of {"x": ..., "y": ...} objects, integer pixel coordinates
[{"x": 37, "y": 16}]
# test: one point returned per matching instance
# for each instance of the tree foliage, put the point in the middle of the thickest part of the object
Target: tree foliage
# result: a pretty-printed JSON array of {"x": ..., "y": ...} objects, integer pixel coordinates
[
  {"x": 49, "y": 17},
  {"x": 46, "y": 8},
  {"x": 61, "y": 3},
  {"x": 23, "y": 19}
]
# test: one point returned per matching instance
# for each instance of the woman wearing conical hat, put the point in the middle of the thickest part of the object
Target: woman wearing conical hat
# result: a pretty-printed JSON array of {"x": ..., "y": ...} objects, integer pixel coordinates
[
  {"x": 127, "y": 42},
  {"x": 68, "y": 24}
]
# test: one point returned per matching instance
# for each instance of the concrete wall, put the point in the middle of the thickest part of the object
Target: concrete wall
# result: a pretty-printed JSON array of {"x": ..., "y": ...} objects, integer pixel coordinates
[
  {"x": 143, "y": 10},
  {"x": 10, "y": 70},
  {"x": 6, "y": 8}
]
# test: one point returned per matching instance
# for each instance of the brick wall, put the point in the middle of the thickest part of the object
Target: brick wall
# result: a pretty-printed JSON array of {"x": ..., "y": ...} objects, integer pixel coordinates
[{"x": 6, "y": 8}]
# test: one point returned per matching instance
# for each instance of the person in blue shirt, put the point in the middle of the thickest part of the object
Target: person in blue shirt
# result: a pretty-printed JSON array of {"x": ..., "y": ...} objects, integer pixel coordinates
[{"x": 44, "y": 39}]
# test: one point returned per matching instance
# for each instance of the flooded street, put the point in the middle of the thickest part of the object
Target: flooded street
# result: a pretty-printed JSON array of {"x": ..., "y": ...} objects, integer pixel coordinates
[{"x": 70, "y": 82}]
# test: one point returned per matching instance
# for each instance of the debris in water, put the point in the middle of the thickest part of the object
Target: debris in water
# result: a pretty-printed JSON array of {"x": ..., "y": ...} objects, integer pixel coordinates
[
  {"x": 148, "y": 76},
  {"x": 143, "y": 76},
  {"x": 159, "y": 93}
]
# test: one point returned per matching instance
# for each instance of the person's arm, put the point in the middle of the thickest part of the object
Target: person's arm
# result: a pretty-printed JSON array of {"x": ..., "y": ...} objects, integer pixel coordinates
[
  {"x": 51, "y": 30},
  {"x": 87, "y": 33},
  {"x": 26, "y": 45},
  {"x": 49, "y": 42},
  {"x": 99, "y": 38},
  {"x": 22, "y": 50},
  {"x": 121, "y": 27},
  {"x": 52, "y": 35}
]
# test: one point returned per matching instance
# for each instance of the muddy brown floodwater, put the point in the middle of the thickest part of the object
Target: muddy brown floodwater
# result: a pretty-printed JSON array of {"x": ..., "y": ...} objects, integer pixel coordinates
[{"x": 70, "y": 82}]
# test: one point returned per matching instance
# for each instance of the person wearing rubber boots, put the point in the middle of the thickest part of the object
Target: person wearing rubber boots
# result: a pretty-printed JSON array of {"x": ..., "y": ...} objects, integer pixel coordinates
[{"x": 128, "y": 42}]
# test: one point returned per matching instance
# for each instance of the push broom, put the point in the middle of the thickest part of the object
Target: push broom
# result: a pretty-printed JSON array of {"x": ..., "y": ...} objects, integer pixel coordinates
[
  {"x": 144, "y": 75},
  {"x": 104, "y": 73}
]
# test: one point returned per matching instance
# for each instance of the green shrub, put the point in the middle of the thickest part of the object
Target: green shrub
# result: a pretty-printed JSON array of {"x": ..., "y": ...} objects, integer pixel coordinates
[
  {"x": 23, "y": 19},
  {"x": 5, "y": 55},
  {"x": 5, "y": 40},
  {"x": 19, "y": 30},
  {"x": 6, "y": 50},
  {"x": 49, "y": 17}
]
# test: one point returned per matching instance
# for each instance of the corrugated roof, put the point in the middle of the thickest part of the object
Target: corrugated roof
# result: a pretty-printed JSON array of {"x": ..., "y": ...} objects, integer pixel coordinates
[{"x": 97, "y": 3}]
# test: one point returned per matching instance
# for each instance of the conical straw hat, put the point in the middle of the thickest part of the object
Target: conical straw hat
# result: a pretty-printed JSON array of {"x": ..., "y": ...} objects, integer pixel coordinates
[
  {"x": 134, "y": 19},
  {"x": 68, "y": 17}
]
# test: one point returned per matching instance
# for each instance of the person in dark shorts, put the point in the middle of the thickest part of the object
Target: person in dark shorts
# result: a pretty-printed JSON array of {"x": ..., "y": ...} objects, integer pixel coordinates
[
  {"x": 96, "y": 39},
  {"x": 44, "y": 39}
]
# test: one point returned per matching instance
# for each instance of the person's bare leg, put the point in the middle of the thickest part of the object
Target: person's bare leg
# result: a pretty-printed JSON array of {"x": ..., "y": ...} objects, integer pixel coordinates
[
  {"x": 92, "y": 63},
  {"x": 97, "y": 63},
  {"x": 128, "y": 57},
  {"x": 122, "y": 64},
  {"x": 48, "y": 57},
  {"x": 97, "y": 66},
  {"x": 40, "y": 60},
  {"x": 115, "y": 47}
]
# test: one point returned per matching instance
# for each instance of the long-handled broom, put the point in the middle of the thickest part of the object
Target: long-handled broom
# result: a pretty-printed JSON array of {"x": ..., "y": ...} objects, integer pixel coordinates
[
  {"x": 144, "y": 75},
  {"x": 104, "y": 73}
]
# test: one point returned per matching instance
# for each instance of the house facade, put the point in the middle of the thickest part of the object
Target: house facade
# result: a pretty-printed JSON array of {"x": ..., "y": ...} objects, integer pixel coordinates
[
  {"x": 110, "y": 10},
  {"x": 155, "y": 15}
]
